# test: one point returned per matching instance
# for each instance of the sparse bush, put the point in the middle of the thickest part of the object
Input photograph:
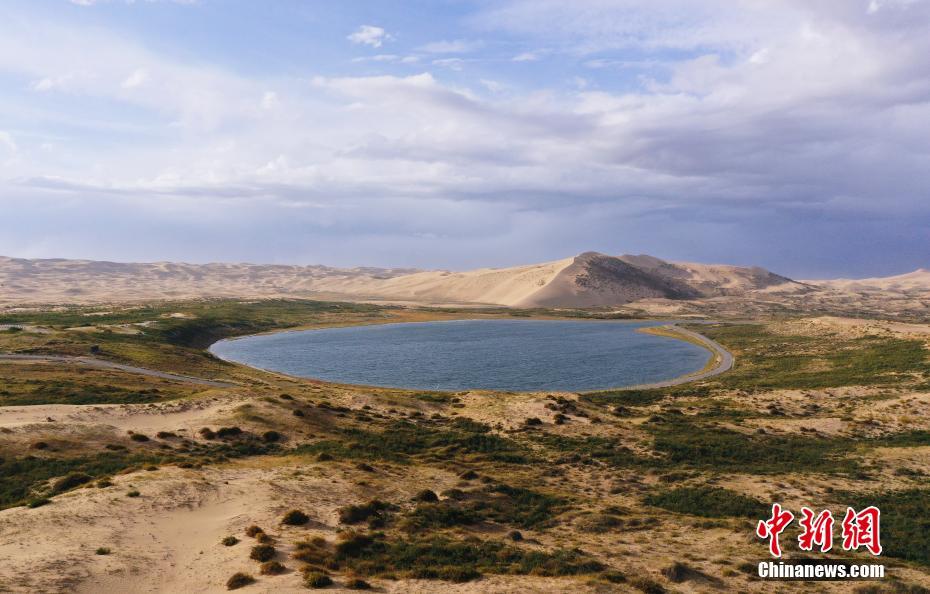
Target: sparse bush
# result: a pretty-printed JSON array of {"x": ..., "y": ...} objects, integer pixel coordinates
[
  {"x": 102, "y": 551},
  {"x": 515, "y": 535},
  {"x": 295, "y": 517},
  {"x": 207, "y": 433},
  {"x": 40, "y": 445},
  {"x": 226, "y": 432},
  {"x": 165, "y": 434},
  {"x": 262, "y": 552},
  {"x": 365, "y": 467},
  {"x": 298, "y": 413},
  {"x": 253, "y": 531},
  {"x": 230, "y": 541},
  {"x": 532, "y": 422},
  {"x": 140, "y": 437},
  {"x": 239, "y": 580},
  {"x": 358, "y": 584},
  {"x": 271, "y": 568},
  {"x": 647, "y": 586},
  {"x": 426, "y": 495},
  {"x": 38, "y": 502},
  {"x": 317, "y": 579},
  {"x": 271, "y": 436},
  {"x": 469, "y": 475},
  {"x": 133, "y": 493},
  {"x": 353, "y": 514},
  {"x": 614, "y": 577},
  {"x": 70, "y": 481},
  {"x": 324, "y": 457},
  {"x": 104, "y": 483},
  {"x": 264, "y": 538}
]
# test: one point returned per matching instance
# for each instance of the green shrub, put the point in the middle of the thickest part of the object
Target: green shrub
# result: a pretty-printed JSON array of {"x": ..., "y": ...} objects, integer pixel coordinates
[
  {"x": 70, "y": 481},
  {"x": 239, "y": 580},
  {"x": 102, "y": 551},
  {"x": 317, "y": 579},
  {"x": 262, "y": 552},
  {"x": 38, "y": 502},
  {"x": 647, "y": 585},
  {"x": 230, "y": 541},
  {"x": 271, "y": 568},
  {"x": 426, "y": 495},
  {"x": 295, "y": 517},
  {"x": 353, "y": 514}
]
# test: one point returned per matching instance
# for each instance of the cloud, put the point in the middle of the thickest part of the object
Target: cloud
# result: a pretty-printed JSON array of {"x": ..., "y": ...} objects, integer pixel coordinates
[
  {"x": 370, "y": 35},
  {"x": 459, "y": 46},
  {"x": 742, "y": 123},
  {"x": 6, "y": 141},
  {"x": 95, "y": 2},
  {"x": 526, "y": 57},
  {"x": 136, "y": 79}
]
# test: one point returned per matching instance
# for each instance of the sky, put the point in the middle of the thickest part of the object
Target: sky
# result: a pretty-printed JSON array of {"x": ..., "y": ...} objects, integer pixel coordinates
[{"x": 454, "y": 134}]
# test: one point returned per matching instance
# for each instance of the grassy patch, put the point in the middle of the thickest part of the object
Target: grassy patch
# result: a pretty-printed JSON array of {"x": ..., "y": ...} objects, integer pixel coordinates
[
  {"x": 687, "y": 444},
  {"x": 503, "y": 504},
  {"x": 708, "y": 502},
  {"x": 402, "y": 440},
  {"x": 765, "y": 360},
  {"x": 440, "y": 558}
]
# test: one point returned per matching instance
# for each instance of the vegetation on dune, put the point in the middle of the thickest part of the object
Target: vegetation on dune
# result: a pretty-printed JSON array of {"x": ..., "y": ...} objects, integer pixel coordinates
[
  {"x": 708, "y": 502},
  {"x": 766, "y": 360},
  {"x": 402, "y": 440},
  {"x": 22, "y": 476},
  {"x": 441, "y": 558},
  {"x": 684, "y": 443},
  {"x": 503, "y": 504}
]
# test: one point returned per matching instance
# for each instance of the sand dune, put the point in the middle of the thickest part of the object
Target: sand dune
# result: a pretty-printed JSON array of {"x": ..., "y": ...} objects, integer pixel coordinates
[
  {"x": 588, "y": 280},
  {"x": 912, "y": 282}
]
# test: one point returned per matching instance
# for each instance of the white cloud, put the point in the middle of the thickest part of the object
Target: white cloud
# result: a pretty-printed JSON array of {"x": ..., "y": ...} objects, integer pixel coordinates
[
  {"x": 370, "y": 35},
  {"x": 764, "y": 107},
  {"x": 136, "y": 79},
  {"x": 459, "y": 46},
  {"x": 526, "y": 57},
  {"x": 95, "y": 2},
  {"x": 6, "y": 140}
]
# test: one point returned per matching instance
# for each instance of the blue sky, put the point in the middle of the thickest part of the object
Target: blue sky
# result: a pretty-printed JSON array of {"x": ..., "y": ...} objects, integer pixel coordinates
[{"x": 456, "y": 134}]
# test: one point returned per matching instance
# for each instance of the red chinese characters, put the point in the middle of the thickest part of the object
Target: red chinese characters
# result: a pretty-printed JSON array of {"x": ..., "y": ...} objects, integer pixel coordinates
[
  {"x": 773, "y": 527},
  {"x": 861, "y": 530},
  {"x": 816, "y": 530}
]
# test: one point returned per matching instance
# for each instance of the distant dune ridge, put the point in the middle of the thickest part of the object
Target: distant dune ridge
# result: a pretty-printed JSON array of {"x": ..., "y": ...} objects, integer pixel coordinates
[{"x": 590, "y": 279}]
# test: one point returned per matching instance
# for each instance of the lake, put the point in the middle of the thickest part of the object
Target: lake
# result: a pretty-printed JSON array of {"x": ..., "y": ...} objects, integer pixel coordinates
[{"x": 508, "y": 355}]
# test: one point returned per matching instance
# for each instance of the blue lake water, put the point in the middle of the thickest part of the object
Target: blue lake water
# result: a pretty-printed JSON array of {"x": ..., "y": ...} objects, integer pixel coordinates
[{"x": 512, "y": 355}]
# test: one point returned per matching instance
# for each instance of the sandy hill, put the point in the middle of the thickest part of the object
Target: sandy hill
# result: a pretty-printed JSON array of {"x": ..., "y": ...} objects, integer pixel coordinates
[
  {"x": 912, "y": 282},
  {"x": 588, "y": 280}
]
